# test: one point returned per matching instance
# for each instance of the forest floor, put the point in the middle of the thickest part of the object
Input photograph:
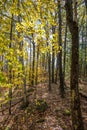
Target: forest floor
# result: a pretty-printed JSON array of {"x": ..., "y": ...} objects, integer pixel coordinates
[{"x": 57, "y": 116}]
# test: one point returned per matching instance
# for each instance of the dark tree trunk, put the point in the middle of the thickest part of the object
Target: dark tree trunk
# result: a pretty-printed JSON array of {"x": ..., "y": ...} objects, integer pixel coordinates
[
  {"x": 77, "y": 123},
  {"x": 33, "y": 65},
  {"x": 53, "y": 56},
  {"x": 10, "y": 71},
  {"x": 30, "y": 69},
  {"x": 85, "y": 62},
  {"x": 81, "y": 64},
  {"x": 86, "y": 40},
  {"x": 86, "y": 4},
  {"x": 49, "y": 69},
  {"x": 64, "y": 63},
  {"x": 37, "y": 65},
  {"x": 60, "y": 54}
]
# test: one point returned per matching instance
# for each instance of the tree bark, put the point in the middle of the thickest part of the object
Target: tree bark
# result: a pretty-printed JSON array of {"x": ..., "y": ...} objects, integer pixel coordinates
[
  {"x": 10, "y": 72},
  {"x": 33, "y": 65},
  {"x": 37, "y": 65},
  {"x": 60, "y": 54},
  {"x": 64, "y": 63},
  {"x": 53, "y": 56},
  {"x": 21, "y": 60},
  {"x": 77, "y": 122}
]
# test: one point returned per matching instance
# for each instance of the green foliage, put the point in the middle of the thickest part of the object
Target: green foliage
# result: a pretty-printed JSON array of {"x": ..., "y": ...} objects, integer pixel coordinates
[
  {"x": 2, "y": 78},
  {"x": 67, "y": 112},
  {"x": 8, "y": 128}
]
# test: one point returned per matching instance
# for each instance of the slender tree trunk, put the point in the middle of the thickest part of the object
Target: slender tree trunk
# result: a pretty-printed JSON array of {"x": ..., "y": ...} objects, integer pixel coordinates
[
  {"x": 81, "y": 69},
  {"x": 64, "y": 63},
  {"x": 86, "y": 4},
  {"x": 53, "y": 56},
  {"x": 86, "y": 40},
  {"x": 77, "y": 123},
  {"x": 60, "y": 54},
  {"x": 49, "y": 69},
  {"x": 33, "y": 65},
  {"x": 24, "y": 82},
  {"x": 37, "y": 65},
  {"x": 45, "y": 61},
  {"x": 21, "y": 59},
  {"x": 57, "y": 66},
  {"x": 10, "y": 72},
  {"x": 85, "y": 55},
  {"x": 48, "y": 58},
  {"x": 30, "y": 69}
]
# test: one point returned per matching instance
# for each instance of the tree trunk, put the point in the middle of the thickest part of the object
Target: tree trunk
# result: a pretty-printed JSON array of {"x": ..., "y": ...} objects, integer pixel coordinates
[
  {"x": 77, "y": 123},
  {"x": 60, "y": 54},
  {"x": 49, "y": 69},
  {"x": 37, "y": 65},
  {"x": 30, "y": 69},
  {"x": 33, "y": 65},
  {"x": 86, "y": 4},
  {"x": 10, "y": 72},
  {"x": 53, "y": 56},
  {"x": 64, "y": 63},
  {"x": 86, "y": 40},
  {"x": 21, "y": 60},
  {"x": 57, "y": 67}
]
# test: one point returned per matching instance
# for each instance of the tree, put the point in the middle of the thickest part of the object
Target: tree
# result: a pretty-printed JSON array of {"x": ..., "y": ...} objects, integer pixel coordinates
[
  {"x": 33, "y": 64},
  {"x": 21, "y": 58},
  {"x": 77, "y": 122},
  {"x": 64, "y": 63},
  {"x": 53, "y": 56},
  {"x": 60, "y": 53},
  {"x": 9, "y": 66}
]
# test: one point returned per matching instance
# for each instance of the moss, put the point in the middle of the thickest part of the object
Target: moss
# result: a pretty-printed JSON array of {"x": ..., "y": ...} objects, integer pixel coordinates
[
  {"x": 41, "y": 105},
  {"x": 8, "y": 128},
  {"x": 67, "y": 112}
]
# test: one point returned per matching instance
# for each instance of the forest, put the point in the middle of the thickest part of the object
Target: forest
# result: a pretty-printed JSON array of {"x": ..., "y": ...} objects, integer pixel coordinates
[{"x": 43, "y": 64}]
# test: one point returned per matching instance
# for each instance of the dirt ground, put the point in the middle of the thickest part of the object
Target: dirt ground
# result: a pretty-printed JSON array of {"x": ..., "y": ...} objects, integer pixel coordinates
[{"x": 56, "y": 117}]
